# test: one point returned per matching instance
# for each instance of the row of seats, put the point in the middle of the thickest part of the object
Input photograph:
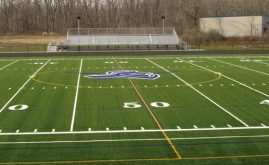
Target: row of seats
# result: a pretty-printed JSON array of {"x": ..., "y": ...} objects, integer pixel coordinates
[{"x": 122, "y": 40}]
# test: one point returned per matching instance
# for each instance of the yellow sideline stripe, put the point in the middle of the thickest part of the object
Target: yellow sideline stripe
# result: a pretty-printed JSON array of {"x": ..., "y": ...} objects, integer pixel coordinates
[
  {"x": 142, "y": 159},
  {"x": 153, "y": 116}
]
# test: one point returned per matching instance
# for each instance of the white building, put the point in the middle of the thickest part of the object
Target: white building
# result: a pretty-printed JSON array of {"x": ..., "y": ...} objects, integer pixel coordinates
[{"x": 236, "y": 26}]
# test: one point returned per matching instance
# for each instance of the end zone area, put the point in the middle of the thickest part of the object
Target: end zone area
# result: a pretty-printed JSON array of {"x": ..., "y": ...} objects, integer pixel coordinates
[{"x": 134, "y": 110}]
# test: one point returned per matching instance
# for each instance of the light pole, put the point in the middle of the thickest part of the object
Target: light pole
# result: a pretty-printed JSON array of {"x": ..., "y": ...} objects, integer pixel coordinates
[
  {"x": 163, "y": 18},
  {"x": 78, "y": 18}
]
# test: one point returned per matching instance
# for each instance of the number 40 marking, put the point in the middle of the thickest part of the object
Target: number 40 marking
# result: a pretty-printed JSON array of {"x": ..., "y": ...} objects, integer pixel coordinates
[{"x": 133, "y": 105}]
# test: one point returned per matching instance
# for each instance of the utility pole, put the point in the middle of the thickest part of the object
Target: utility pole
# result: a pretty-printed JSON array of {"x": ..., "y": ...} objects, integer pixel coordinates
[
  {"x": 78, "y": 18},
  {"x": 163, "y": 19}
]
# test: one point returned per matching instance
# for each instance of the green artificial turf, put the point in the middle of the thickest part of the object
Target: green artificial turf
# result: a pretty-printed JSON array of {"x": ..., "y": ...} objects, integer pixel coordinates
[{"x": 205, "y": 108}]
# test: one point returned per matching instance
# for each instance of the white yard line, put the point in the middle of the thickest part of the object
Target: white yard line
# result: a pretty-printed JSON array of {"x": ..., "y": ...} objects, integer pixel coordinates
[
  {"x": 216, "y": 104},
  {"x": 23, "y": 86},
  {"x": 255, "y": 90},
  {"x": 134, "y": 140},
  {"x": 8, "y": 64},
  {"x": 240, "y": 66},
  {"x": 76, "y": 98},
  {"x": 135, "y": 131}
]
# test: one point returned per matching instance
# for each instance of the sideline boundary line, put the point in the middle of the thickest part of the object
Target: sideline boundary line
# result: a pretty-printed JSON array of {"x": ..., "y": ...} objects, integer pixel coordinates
[
  {"x": 76, "y": 98},
  {"x": 227, "y": 63},
  {"x": 23, "y": 86},
  {"x": 8, "y": 64},
  {"x": 139, "y": 57},
  {"x": 153, "y": 116},
  {"x": 231, "y": 79},
  {"x": 216, "y": 104},
  {"x": 133, "y": 140}
]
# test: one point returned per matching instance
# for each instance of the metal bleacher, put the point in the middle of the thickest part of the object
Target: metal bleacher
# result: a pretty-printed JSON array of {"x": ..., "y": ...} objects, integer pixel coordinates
[{"x": 122, "y": 36}]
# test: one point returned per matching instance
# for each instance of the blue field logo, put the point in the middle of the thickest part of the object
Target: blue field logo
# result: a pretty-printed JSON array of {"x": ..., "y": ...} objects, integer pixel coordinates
[{"x": 125, "y": 74}]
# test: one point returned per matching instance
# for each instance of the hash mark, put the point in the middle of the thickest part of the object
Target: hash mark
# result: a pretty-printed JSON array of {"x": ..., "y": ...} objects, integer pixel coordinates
[
  {"x": 229, "y": 126},
  {"x": 142, "y": 128},
  {"x": 17, "y": 131},
  {"x": 212, "y": 126},
  {"x": 263, "y": 125},
  {"x": 178, "y": 127},
  {"x": 89, "y": 129},
  {"x": 53, "y": 130}
]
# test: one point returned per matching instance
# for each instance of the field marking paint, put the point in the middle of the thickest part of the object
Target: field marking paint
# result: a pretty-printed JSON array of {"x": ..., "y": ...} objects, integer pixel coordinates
[
  {"x": 209, "y": 99},
  {"x": 76, "y": 98},
  {"x": 255, "y": 90},
  {"x": 174, "y": 57},
  {"x": 8, "y": 64},
  {"x": 240, "y": 66},
  {"x": 33, "y": 75},
  {"x": 135, "y": 140},
  {"x": 262, "y": 63},
  {"x": 178, "y": 156},
  {"x": 136, "y": 131}
]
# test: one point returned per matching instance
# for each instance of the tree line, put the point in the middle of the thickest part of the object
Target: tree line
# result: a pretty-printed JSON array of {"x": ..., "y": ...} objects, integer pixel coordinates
[{"x": 37, "y": 16}]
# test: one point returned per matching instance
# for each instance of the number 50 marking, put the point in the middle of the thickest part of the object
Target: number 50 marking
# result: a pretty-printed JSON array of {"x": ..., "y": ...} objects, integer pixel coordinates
[{"x": 133, "y": 105}]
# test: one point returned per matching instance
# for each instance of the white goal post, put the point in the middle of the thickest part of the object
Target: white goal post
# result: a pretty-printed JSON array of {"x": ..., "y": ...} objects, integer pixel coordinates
[{"x": 122, "y": 36}]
